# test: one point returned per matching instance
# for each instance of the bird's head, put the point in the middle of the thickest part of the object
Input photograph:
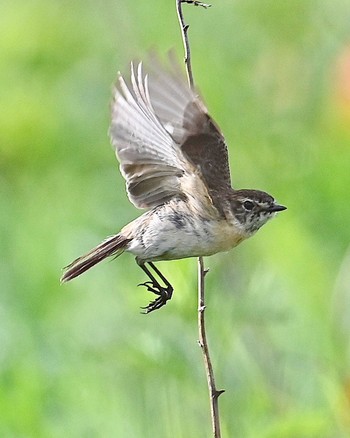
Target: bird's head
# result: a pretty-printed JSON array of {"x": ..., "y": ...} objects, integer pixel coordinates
[{"x": 253, "y": 208}]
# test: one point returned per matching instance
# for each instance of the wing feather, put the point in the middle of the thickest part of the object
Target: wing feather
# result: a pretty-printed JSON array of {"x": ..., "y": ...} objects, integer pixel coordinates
[{"x": 166, "y": 142}]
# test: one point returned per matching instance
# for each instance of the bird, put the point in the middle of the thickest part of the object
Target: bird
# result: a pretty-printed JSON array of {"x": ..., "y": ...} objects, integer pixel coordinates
[{"x": 174, "y": 159}]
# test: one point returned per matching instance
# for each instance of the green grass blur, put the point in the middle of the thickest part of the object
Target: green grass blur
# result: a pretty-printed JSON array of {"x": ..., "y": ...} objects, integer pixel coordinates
[{"x": 79, "y": 360}]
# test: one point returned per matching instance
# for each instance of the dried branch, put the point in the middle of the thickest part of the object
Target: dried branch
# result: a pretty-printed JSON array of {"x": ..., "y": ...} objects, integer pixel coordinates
[
  {"x": 203, "y": 343},
  {"x": 184, "y": 31},
  {"x": 213, "y": 392}
]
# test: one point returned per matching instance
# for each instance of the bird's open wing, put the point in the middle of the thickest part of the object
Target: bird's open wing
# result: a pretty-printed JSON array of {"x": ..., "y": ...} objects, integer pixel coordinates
[{"x": 166, "y": 142}]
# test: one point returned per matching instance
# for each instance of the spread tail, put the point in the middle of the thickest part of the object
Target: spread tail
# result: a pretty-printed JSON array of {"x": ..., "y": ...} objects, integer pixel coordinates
[{"x": 112, "y": 246}]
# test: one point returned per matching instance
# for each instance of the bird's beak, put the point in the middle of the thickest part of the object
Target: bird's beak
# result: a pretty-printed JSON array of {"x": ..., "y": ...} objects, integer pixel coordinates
[{"x": 274, "y": 208}]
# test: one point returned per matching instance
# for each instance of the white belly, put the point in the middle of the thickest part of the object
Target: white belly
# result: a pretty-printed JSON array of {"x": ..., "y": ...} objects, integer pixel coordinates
[{"x": 165, "y": 234}]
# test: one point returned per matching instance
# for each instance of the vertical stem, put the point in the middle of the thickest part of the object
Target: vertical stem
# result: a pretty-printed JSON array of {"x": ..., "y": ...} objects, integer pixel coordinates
[
  {"x": 203, "y": 343},
  {"x": 213, "y": 392},
  {"x": 184, "y": 30}
]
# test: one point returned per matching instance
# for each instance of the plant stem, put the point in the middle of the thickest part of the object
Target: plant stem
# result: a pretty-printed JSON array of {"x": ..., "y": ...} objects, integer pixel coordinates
[
  {"x": 203, "y": 343},
  {"x": 213, "y": 392}
]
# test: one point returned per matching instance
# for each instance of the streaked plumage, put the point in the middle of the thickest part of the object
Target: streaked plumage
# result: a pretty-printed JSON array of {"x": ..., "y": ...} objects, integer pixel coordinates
[{"x": 175, "y": 163}]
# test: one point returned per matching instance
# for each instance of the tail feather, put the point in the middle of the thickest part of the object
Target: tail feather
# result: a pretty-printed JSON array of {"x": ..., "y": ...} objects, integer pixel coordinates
[{"x": 112, "y": 246}]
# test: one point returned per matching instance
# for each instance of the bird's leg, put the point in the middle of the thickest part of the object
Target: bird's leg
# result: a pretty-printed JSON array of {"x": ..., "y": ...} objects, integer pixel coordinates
[
  {"x": 161, "y": 276},
  {"x": 164, "y": 293}
]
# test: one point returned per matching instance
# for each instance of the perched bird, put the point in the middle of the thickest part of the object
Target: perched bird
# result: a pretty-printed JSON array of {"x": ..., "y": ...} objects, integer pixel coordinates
[{"x": 175, "y": 163}]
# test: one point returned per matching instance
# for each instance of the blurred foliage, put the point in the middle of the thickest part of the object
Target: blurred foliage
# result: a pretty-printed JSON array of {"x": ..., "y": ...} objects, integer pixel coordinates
[{"x": 79, "y": 360}]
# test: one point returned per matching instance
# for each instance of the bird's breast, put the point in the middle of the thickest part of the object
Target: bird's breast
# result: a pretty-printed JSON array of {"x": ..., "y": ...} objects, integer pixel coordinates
[{"x": 175, "y": 233}]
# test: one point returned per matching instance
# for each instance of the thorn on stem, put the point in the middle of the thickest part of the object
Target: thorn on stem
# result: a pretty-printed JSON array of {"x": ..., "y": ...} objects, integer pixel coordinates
[
  {"x": 201, "y": 309},
  {"x": 196, "y": 3},
  {"x": 217, "y": 393},
  {"x": 205, "y": 272}
]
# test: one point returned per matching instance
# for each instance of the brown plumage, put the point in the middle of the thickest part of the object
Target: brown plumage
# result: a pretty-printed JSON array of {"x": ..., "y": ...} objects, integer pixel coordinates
[{"x": 175, "y": 162}]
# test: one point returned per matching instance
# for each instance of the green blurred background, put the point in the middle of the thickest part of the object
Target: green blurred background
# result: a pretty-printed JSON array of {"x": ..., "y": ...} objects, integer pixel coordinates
[{"x": 79, "y": 360}]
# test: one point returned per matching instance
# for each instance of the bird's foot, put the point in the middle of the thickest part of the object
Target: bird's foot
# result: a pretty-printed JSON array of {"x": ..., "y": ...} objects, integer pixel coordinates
[{"x": 164, "y": 294}]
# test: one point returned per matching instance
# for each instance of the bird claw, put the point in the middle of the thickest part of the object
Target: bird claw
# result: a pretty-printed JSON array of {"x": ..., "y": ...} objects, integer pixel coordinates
[
  {"x": 152, "y": 287},
  {"x": 146, "y": 284},
  {"x": 155, "y": 305},
  {"x": 164, "y": 294}
]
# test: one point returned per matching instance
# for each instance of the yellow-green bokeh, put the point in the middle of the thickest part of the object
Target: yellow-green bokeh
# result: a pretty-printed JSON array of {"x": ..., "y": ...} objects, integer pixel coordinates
[{"x": 79, "y": 360}]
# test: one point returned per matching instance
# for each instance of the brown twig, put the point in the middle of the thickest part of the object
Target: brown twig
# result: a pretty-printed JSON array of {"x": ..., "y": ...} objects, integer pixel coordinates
[
  {"x": 184, "y": 31},
  {"x": 203, "y": 343}
]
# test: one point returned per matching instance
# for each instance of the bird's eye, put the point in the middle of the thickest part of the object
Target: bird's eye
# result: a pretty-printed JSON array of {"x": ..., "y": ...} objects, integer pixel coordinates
[{"x": 248, "y": 205}]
